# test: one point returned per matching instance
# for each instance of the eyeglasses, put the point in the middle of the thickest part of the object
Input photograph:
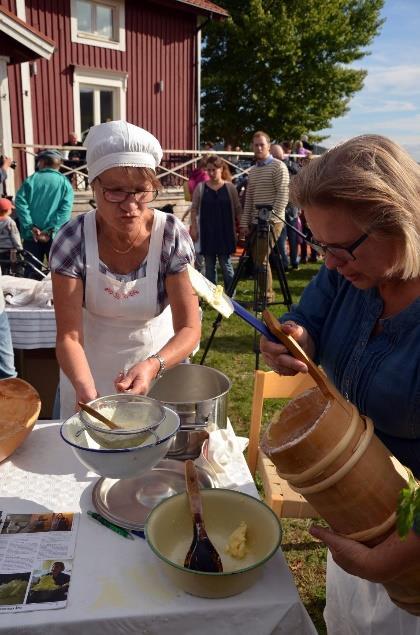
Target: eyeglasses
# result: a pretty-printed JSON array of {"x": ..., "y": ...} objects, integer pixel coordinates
[
  {"x": 119, "y": 196},
  {"x": 345, "y": 254}
]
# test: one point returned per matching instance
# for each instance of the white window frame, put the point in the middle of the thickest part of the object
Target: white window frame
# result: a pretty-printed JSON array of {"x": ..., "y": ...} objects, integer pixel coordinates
[
  {"x": 81, "y": 37},
  {"x": 114, "y": 80},
  {"x": 6, "y": 147}
]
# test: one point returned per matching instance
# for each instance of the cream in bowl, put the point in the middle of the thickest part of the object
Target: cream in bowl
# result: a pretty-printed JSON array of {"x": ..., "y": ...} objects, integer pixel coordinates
[
  {"x": 137, "y": 417},
  {"x": 230, "y": 518}
]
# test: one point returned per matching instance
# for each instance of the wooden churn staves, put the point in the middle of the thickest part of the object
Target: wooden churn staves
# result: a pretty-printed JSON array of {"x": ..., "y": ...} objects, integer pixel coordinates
[{"x": 330, "y": 454}]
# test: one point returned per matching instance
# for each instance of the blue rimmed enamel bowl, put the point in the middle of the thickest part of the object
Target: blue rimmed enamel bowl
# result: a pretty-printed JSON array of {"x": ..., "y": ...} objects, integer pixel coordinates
[{"x": 125, "y": 462}]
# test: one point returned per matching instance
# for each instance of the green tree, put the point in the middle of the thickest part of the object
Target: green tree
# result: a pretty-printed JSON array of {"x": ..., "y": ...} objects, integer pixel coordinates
[{"x": 283, "y": 65}]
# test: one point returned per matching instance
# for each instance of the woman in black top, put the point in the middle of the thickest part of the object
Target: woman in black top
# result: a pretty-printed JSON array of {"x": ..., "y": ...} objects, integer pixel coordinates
[{"x": 215, "y": 209}]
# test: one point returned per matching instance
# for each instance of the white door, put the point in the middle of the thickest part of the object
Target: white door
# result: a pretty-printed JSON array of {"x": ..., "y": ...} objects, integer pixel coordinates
[
  {"x": 6, "y": 148},
  {"x": 99, "y": 96},
  {"x": 97, "y": 105}
]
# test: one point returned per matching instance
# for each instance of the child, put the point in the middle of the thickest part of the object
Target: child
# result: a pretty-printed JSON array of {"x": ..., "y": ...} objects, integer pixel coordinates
[{"x": 10, "y": 239}]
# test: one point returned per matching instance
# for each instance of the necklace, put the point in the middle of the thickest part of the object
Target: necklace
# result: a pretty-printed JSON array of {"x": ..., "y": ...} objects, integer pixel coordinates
[{"x": 125, "y": 251}]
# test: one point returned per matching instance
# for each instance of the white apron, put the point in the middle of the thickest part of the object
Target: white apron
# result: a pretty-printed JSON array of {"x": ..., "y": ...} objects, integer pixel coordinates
[
  {"x": 121, "y": 321},
  {"x": 358, "y": 607}
]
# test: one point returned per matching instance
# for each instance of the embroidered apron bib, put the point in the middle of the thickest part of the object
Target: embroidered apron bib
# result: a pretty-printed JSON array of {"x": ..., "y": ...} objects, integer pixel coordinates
[{"x": 121, "y": 320}]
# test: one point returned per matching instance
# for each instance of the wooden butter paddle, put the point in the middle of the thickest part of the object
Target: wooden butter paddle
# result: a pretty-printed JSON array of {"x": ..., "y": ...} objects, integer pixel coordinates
[
  {"x": 97, "y": 415},
  {"x": 325, "y": 386},
  {"x": 202, "y": 555}
]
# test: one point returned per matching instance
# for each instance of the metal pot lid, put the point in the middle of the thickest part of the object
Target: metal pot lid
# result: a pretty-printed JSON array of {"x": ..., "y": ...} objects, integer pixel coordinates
[{"x": 127, "y": 502}]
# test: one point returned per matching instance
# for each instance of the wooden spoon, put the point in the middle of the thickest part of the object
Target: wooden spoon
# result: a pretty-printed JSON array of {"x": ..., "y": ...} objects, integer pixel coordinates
[
  {"x": 325, "y": 386},
  {"x": 202, "y": 555},
  {"x": 94, "y": 413}
]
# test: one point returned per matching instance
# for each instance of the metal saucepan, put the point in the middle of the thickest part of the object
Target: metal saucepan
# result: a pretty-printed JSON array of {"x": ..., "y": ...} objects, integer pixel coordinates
[{"x": 199, "y": 395}]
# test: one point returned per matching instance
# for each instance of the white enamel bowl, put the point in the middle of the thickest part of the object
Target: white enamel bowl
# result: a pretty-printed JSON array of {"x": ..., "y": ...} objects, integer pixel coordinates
[
  {"x": 120, "y": 462},
  {"x": 169, "y": 531}
]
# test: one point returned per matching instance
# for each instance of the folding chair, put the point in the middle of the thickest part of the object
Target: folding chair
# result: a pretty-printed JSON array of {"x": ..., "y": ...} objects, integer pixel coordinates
[{"x": 284, "y": 501}]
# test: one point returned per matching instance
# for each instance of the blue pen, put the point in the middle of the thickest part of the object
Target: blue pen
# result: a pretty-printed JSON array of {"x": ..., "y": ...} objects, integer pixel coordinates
[{"x": 138, "y": 532}]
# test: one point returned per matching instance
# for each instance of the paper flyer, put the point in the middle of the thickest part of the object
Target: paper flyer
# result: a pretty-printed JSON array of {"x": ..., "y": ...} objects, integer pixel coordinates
[{"x": 36, "y": 556}]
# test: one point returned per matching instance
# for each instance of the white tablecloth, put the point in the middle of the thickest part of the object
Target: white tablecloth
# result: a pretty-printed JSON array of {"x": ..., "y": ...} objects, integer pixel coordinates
[
  {"x": 32, "y": 322},
  {"x": 32, "y": 327},
  {"x": 117, "y": 585}
]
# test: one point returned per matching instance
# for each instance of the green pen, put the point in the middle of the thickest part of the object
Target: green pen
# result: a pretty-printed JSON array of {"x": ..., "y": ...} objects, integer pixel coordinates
[{"x": 118, "y": 530}]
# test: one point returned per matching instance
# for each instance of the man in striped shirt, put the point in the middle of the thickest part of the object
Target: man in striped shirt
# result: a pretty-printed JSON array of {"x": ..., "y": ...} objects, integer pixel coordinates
[{"x": 268, "y": 184}]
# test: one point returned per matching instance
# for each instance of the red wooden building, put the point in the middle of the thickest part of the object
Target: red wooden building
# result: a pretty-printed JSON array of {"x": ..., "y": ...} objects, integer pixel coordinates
[{"x": 66, "y": 65}]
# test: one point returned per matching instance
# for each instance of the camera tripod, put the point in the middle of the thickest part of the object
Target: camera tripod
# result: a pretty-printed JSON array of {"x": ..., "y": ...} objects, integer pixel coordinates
[{"x": 261, "y": 241}]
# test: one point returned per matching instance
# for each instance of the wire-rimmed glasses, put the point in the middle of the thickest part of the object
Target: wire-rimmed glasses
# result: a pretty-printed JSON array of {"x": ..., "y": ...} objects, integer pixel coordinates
[
  {"x": 119, "y": 196},
  {"x": 338, "y": 251}
]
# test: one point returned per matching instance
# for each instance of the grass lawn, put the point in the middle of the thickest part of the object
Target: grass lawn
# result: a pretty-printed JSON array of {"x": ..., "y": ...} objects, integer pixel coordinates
[{"x": 232, "y": 352}]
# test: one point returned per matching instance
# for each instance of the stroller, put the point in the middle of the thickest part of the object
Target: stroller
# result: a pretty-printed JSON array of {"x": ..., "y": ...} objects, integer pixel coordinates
[{"x": 19, "y": 262}]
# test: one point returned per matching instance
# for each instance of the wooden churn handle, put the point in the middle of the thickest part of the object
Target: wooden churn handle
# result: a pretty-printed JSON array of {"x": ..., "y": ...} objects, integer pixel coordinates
[{"x": 325, "y": 386}]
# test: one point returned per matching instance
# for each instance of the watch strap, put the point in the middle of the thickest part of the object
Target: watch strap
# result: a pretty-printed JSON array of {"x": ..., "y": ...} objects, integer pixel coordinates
[{"x": 162, "y": 364}]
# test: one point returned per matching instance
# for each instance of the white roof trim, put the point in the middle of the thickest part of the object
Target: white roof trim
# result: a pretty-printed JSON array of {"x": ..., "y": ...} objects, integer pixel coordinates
[{"x": 25, "y": 36}]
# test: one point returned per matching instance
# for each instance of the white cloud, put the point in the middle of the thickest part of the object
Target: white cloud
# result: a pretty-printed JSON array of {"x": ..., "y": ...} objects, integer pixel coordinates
[
  {"x": 366, "y": 105},
  {"x": 394, "y": 80},
  {"x": 400, "y": 125}
]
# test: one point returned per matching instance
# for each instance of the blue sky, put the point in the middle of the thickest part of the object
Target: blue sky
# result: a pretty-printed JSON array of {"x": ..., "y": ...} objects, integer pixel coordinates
[{"x": 389, "y": 103}]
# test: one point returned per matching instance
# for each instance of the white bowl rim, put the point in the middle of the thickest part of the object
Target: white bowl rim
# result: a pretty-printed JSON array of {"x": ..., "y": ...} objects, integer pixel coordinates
[
  {"x": 121, "y": 433},
  {"x": 116, "y": 450},
  {"x": 216, "y": 573}
]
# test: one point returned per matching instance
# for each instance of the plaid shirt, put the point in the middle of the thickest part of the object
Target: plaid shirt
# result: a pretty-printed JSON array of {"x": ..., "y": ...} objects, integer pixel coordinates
[{"x": 67, "y": 255}]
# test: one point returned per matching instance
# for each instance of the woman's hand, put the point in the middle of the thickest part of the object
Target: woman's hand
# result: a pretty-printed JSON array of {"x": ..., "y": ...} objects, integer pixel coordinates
[
  {"x": 277, "y": 356},
  {"x": 381, "y": 563},
  {"x": 194, "y": 231},
  {"x": 84, "y": 394},
  {"x": 138, "y": 378}
]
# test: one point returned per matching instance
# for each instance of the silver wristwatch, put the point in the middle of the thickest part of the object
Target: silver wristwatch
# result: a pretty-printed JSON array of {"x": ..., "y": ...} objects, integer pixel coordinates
[{"x": 162, "y": 364}]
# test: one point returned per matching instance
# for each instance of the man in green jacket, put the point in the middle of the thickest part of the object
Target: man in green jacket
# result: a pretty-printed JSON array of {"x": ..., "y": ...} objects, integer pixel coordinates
[{"x": 43, "y": 204}]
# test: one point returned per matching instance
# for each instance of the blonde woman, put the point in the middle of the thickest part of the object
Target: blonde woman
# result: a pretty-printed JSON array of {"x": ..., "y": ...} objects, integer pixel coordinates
[{"x": 360, "y": 318}]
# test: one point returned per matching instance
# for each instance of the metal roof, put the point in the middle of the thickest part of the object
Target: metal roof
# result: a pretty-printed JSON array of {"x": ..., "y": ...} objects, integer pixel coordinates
[{"x": 206, "y": 6}]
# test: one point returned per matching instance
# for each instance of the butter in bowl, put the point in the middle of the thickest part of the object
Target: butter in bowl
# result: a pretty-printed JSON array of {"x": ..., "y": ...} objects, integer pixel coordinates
[{"x": 245, "y": 532}]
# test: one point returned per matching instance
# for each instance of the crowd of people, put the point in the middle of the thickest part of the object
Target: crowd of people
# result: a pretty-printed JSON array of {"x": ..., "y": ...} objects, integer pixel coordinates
[{"x": 267, "y": 182}]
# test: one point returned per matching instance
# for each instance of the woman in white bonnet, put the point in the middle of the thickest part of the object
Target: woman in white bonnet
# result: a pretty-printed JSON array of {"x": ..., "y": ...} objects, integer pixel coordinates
[{"x": 125, "y": 308}]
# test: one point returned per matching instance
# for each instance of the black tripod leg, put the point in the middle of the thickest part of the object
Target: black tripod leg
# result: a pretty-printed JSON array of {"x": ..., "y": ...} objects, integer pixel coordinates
[
  {"x": 260, "y": 280},
  {"x": 241, "y": 264},
  {"x": 281, "y": 274}
]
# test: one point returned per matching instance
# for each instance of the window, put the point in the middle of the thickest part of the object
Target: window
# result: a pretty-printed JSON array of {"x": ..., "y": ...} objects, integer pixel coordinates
[
  {"x": 97, "y": 105},
  {"x": 95, "y": 19},
  {"x": 98, "y": 23},
  {"x": 99, "y": 96}
]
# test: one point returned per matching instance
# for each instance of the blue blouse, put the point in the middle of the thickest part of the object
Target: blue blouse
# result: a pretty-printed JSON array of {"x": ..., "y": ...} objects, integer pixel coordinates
[{"x": 380, "y": 373}]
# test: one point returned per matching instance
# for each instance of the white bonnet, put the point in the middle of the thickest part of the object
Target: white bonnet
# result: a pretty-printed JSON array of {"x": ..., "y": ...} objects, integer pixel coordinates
[{"x": 119, "y": 143}]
